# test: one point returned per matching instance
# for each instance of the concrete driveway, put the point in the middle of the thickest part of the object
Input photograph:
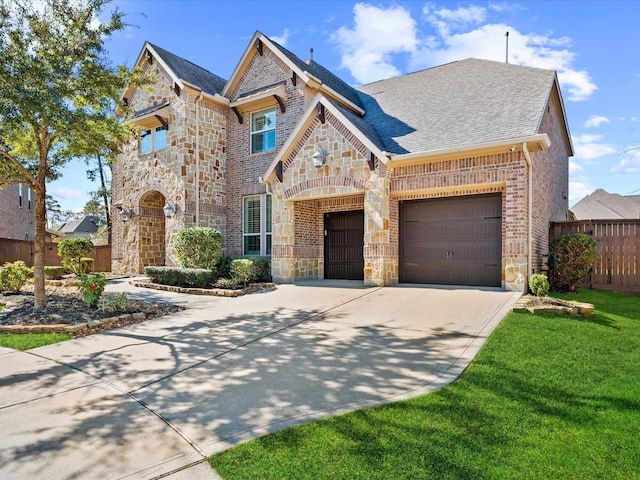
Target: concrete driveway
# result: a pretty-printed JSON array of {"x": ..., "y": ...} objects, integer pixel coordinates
[{"x": 155, "y": 399}]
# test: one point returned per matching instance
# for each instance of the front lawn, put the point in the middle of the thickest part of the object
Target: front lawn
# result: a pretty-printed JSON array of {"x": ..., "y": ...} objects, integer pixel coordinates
[
  {"x": 27, "y": 341},
  {"x": 547, "y": 397}
]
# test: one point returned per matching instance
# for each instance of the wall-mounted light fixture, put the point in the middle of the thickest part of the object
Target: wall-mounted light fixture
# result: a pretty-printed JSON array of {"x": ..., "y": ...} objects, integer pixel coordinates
[
  {"x": 319, "y": 157},
  {"x": 126, "y": 214},
  {"x": 170, "y": 209}
]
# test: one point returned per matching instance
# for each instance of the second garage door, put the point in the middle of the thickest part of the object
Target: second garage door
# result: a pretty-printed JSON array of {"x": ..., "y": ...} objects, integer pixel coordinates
[{"x": 452, "y": 241}]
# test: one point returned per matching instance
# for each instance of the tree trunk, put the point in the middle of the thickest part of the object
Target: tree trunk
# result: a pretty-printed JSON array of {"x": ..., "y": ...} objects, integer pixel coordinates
[
  {"x": 39, "y": 293},
  {"x": 105, "y": 198}
]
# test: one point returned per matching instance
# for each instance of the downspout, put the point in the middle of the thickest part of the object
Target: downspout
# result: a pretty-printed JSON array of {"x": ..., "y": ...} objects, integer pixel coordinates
[
  {"x": 529, "y": 212},
  {"x": 197, "y": 149}
]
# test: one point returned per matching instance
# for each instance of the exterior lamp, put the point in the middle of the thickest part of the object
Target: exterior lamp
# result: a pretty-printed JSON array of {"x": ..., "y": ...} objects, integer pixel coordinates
[
  {"x": 126, "y": 214},
  {"x": 319, "y": 157},
  {"x": 170, "y": 209}
]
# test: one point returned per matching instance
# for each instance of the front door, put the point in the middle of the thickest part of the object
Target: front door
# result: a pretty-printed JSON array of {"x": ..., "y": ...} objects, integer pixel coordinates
[{"x": 343, "y": 245}]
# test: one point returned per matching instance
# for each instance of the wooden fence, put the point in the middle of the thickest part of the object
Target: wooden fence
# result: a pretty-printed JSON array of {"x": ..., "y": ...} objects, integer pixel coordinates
[
  {"x": 617, "y": 266},
  {"x": 12, "y": 250}
]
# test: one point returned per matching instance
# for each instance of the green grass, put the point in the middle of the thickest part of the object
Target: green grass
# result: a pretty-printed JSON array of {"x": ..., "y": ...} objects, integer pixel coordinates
[
  {"x": 548, "y": 397},
  {"x": 27, "y": 341}
]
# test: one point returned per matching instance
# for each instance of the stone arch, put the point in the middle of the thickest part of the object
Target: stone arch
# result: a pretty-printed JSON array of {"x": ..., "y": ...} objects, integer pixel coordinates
[{"x": 152, "y": 232}]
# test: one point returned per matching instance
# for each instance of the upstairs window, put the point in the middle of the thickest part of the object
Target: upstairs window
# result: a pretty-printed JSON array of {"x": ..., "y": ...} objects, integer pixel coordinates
[
  {"x": 29, "y": 198},
  {"x": 153, "y": 140},
  {"x": 19, "y": 194},
  {"x": 263, "y": 130}
]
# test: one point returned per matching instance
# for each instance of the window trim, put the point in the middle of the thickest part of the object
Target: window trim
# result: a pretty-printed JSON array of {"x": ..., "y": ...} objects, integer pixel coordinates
[
  {"x": 263, "y": 131},
  {"x": 153, "y": 132},
  {"x": 266, "y": 225}
]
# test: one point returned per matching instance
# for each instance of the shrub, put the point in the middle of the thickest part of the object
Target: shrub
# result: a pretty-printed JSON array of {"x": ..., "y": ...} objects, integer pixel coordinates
[
  {"x": 262, "y": 267},
  {"x": 181, "y": 277},
  {"x": 227, "y": 284},
  {"x": 86, "y": 265},
  {"x": 91, "y": 287},
  {"x": 115, "y": 302},
  {"x": 539, "y": 285},
  {"x": 53, "y": 272},
  {"x": 72, "y": 251},
  {"x": 198, "y": 247},
  {"x": 224, "y": 266},
  {"x": 571, "y": 257},
  {"x": 14, "y": 276},
  {"x": 243, "y": 270}
]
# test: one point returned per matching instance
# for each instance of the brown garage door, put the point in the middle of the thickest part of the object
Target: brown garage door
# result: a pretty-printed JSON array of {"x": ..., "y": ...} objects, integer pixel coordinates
[
  {"x": 344, "y": 244},
  {"x": 452, "y": 241}
]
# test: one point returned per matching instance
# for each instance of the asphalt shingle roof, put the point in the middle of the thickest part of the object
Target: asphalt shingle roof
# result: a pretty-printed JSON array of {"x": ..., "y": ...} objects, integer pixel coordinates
[
  {"x": 192, "y": 73},
  {"x": 87, "y": 224},
  {"x": 459, "y": 104},
  {"x": 328, "y": 78},
  {"x": 602, "y": 205}
]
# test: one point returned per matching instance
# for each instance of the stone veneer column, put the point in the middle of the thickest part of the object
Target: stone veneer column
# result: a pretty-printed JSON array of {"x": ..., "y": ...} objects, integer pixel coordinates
[{"x": 283, "y": 238}]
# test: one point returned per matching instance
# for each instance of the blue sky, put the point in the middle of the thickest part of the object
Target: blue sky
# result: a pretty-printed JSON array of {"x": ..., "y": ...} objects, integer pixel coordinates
[{"x": 593, "y": 45}]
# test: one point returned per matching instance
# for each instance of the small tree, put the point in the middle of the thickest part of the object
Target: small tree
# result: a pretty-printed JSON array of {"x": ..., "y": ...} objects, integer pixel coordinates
[
  {"x": 571, "y": 258},
  {"x": 72, "y": 251},
  {"x": 198, "y": 247},
  {"x": 58, "y": 93}
]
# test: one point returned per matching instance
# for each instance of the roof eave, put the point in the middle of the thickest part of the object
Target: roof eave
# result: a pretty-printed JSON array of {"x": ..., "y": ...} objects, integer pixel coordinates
[{"x": 534, "y": 143}]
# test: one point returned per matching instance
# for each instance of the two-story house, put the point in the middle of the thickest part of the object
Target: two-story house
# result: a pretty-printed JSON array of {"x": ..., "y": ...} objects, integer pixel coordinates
[{"x": 449, "y": 175}]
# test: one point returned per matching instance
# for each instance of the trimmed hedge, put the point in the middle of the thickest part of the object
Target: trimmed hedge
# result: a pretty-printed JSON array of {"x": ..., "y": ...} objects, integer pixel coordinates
[
  {"x": 571, "y": 258},
  {"x": 73, "y": 252},
  {"x": 54, "y": 272},
  {"x": 198, "y": 247},
  {"x": 181, "y": 277}
]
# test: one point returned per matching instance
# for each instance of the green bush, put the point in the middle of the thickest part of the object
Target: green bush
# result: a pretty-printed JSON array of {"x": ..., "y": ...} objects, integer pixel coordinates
[
  {"x": 14, "y": 276},
  {"x": 243, "y": 270},
  {"x": 198, "y": 247},
  {"x": 227, "y": 283},
  {"x": 181, "y": 277},
  {"x": 224, "y": 266},
  {"x": 91, "y": 287},
  {"x": 53, "y": 272},
  {"x": 72, "y": 251},
  {"x": 262, "y": 266},
  {"x": 86, "y": 265},
  {"x": 115, "y": 302},
  {"x": 539, "y": 285},
  {"x": 571, "y": 258}
]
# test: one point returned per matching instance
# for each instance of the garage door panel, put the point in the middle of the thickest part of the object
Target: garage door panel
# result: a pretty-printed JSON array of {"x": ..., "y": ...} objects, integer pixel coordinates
[{"x": 454, "y": 241}]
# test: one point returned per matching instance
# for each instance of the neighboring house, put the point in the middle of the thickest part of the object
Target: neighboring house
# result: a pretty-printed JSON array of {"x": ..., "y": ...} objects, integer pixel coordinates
[
  {"x": 449, "y": 175},
  {"x": 17, "y": 212},
  {"x": 85, "y": 227},
  {"x": 602, "y": 205}
]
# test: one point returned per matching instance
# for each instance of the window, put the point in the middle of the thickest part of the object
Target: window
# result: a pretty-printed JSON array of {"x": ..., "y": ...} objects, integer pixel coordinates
[
  {"x": 257, "y": 225},
  {"x": 153, "y": 140},
  {"x": 19, "y": 194},
  {"x": 29, "y": 198},
  {"x": 263, "y": 130}
]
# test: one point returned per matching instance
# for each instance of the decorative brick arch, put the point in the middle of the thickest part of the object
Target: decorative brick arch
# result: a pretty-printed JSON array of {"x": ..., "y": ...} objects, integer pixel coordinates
[
  {"x": 151, "y": 229},
  {"x": 323, "y": 186}
]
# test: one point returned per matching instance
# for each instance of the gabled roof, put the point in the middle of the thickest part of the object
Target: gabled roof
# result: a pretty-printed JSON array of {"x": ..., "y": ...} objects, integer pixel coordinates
[
  {"x": 602, "y": 205},
  {"x": 87, "y": 224},
  {"x": 353, "y": 122},
  {"x": 324, "y": 75},
  {"x": 310, "y": 73},
  {"x": 464, "y": 103}
]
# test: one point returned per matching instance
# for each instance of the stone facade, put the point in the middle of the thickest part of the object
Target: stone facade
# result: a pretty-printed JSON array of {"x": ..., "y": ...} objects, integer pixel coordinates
[
  {"x": 144, "y": 183},
  {"x": 17, "y": 212}
]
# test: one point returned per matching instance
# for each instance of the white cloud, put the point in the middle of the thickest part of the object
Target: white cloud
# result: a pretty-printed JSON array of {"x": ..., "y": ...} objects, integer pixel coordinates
[
  {"x": 589, "y": 147},
  {"x": 574, "y": 167},
  {"x": 596, "y": 121},
  {"x": 579, "y": 189},
  {"x": 369, "y": 50},
  {"x": 281, "y": 39},
  {"x": 67, "y": 193},
  {"x": 629, "y": 164},
  {"x": 377, "y": 34}
]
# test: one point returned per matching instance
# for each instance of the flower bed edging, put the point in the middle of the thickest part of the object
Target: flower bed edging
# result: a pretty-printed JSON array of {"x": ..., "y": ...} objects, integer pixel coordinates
[
  {"x": 526, "y": 303},
  {"x": 215, "y": 292}
]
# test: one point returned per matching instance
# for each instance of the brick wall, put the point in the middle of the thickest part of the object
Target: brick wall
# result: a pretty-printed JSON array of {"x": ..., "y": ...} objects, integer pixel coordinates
[
  {"x": 17, "y": 221},
  {"x": 243, "y": 168}
]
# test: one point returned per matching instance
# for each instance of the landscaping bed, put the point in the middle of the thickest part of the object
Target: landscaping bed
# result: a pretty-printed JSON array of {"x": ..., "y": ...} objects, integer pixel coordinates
[{"x": 66, "y": 312}]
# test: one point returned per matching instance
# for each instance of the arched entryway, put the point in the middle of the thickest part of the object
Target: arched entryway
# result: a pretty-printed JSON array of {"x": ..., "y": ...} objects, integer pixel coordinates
[{"x": 151, "y": 237}]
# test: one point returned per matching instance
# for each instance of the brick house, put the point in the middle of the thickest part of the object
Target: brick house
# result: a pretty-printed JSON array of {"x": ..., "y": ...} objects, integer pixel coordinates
[
  {"x": 17, "y": 212},
  {"x": 449, "y": 175}
]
